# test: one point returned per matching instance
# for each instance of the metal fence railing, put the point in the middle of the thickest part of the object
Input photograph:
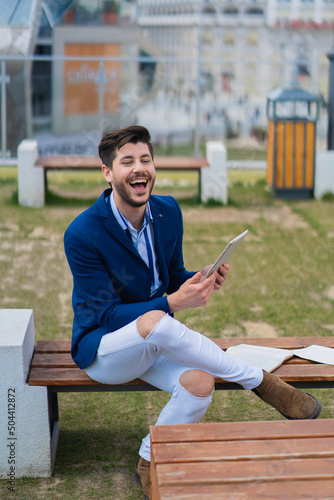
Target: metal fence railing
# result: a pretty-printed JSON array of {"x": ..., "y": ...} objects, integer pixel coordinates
[{"x": 66, "y": 103}]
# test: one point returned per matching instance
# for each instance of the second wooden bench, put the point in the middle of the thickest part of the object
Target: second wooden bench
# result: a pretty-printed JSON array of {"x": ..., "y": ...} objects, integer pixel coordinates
[
  {"x": 243, "y": 460},
  {"x": 173, "y": 163}
]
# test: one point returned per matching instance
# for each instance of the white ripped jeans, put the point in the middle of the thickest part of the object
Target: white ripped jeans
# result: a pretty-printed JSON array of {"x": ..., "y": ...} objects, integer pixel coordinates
[{"x": 160, "y": 359}]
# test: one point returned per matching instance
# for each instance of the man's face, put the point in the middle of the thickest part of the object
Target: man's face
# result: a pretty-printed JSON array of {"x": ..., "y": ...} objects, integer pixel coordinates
[{"x": 132, "y": 175}]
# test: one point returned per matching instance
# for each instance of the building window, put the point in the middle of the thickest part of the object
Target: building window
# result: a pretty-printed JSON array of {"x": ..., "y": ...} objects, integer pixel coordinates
[
  {"x": 209, "y": 9},
  {"x": 229, "y": 37},
  {"x": 254, "y": 11},
  {"x": 252, "y": 38},
  {"x": 231, "y": 11},
  {"x": 207, "y": 37}
]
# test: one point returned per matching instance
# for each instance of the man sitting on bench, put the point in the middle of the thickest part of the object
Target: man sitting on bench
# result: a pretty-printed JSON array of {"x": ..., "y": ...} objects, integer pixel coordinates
[{"x": 125, "y": 254}]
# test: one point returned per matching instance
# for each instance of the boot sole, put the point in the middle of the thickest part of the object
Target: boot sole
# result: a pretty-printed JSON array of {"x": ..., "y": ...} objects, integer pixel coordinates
[{"x": 315, "y": 414}]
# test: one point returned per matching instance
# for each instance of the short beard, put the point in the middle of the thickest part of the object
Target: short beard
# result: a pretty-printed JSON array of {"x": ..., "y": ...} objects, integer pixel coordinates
[{"x": 127, "y": 199}]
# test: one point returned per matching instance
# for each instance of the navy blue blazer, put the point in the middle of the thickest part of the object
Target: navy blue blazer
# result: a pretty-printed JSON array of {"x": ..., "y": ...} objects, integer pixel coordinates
[{"x": 111, "y": 282}]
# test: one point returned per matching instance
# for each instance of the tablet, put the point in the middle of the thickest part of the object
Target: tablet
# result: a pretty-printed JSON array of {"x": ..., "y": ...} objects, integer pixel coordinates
[{"x": 227, "y": 252}]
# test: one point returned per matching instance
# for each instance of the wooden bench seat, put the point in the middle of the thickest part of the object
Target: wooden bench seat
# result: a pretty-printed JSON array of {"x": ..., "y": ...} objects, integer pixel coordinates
[
  {"x": 246, "y": 460},
  {"x": 94, "y": 162},
  {"x": 53, "y": 367},
  {"x": 174, "y": 163}
]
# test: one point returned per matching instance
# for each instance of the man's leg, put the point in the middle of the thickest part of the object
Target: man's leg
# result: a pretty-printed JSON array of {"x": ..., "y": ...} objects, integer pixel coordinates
[
  {"x": 190, "y": 348},
  {"x": 191, "y": 395},
  {"x": 124, "y": 355},
  {"x": 185, "y": 346}
]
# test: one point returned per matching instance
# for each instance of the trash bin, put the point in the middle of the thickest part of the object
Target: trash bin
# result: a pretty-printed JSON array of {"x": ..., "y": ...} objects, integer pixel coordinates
[{"x": 292, "y": 115}]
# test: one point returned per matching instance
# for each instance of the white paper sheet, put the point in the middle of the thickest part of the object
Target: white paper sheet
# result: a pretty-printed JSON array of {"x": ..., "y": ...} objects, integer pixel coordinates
[{"x": 316, "y": 353}]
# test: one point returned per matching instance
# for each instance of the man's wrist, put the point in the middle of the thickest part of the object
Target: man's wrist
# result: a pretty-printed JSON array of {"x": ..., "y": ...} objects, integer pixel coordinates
[{"x": 172, "y": 303}]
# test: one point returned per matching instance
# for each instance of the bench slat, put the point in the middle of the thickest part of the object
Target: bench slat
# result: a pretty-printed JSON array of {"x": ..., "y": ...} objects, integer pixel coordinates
[
  {"x": 57, "y": 359},
  {"x": 53, "y": 346},
  {"x": 231, "y": 450},
  {"x": 224, "y": 343},
  {"x": 244, "y": 470},
  {"x": 241, "y": 431},
  {"x": 75, "y": 376},
  {"x": 321, "y": 490},
  {"x": 65, "y": 361},
  {"x": 92, "y": 162},
  {"x": 55, "y": 376},
  {"x": 67, "y": 377},
  {"x": 52, "y": 360},
  {"x": 305, "y": 372}
]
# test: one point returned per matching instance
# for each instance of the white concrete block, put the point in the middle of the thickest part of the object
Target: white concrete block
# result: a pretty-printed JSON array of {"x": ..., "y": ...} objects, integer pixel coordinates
[
  {"x": 324, "y": 173},
  {"x": 214, "y": 177},
  {"x": 25, "y": 442},
  {"x": 30, "y": 178}
]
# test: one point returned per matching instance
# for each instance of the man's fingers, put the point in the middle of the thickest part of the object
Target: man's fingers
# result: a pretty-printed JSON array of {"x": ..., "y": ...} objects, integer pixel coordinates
[
  {"x": 223, "y": 270},
  {"x": 195, "y": 278}
]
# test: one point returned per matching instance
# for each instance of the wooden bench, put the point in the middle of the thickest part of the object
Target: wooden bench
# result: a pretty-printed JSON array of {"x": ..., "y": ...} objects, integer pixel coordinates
[
  {"x": 174, "y": 163},
  {"x": 53, "y": 367},
  {"x": 243, "y": 460}
]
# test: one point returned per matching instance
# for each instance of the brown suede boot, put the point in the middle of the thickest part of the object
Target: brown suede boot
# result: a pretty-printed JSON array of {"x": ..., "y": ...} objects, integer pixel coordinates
[
  {"x": 289, "y": 401},
  {"x": 143, "y": 476}
]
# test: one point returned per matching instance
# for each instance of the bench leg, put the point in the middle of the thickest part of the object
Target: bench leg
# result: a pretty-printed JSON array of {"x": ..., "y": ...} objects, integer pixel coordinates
[
  {"x": 31, "y": 187},
  {"x": 54, "y": 425},
  {"x": 45, "y": 180},
  {"x": 214, "y": 177},
  {"x": 200, "y": 186}
]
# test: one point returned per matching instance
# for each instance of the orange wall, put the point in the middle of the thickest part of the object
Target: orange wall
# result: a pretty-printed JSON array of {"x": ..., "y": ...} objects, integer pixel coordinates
[{"x": 81, "y": 92}]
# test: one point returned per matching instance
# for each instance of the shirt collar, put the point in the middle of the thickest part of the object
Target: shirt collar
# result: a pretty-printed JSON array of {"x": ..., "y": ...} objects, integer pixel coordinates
[{"x": 124, "y": 223}]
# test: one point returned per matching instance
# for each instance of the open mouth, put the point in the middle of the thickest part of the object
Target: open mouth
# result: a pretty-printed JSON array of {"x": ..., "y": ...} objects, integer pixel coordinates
[{"x": 139, "y": 184}]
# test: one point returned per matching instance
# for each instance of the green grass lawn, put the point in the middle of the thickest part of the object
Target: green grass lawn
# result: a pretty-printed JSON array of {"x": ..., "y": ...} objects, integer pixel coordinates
[{"x": 281, "y": 283}]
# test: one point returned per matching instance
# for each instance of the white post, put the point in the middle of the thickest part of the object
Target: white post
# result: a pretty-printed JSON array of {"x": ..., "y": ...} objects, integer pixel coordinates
[
  {"x": 295, "y": 10},
  {"x": 214, "y": 177},
  {"x": 324, "y": 173},
  {"x": 271, "y": 12},
  {"x": 30, "y": 178},
  {"x": 25, "y": 444}
]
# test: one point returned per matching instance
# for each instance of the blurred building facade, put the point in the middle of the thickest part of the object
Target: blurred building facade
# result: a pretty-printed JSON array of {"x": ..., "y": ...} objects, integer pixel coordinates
[
  {"x": 82, "y": 66},
  {"x": 247, "y": 46}
]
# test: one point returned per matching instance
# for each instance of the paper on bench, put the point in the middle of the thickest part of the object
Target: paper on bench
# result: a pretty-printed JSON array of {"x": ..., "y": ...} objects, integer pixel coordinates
[
  {"x": 267, "y": 358},
  {"x": 270, "y": 358},
  {"x": 317, "y": 353}
]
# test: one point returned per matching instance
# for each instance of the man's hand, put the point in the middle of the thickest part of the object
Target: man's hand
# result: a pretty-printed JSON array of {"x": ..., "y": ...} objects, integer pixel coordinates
[
  {"x": 221, "y": 274},
  {"x": 194, "y": 292}
]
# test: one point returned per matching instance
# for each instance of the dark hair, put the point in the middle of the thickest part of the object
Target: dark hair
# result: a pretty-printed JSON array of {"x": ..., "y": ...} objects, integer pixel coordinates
[{"x": 112, "y": 141}]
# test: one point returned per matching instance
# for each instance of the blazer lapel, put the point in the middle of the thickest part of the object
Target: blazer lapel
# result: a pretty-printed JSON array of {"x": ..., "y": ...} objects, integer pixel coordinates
[
  {"x": 111, "y": 224},
  {"x": 159, "y": 226}
]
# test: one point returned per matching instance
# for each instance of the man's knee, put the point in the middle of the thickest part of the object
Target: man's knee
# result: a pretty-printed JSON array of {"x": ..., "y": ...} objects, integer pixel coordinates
[
  {"x": 148, "y": 321},
  {"x": 198, "y": 382}
]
